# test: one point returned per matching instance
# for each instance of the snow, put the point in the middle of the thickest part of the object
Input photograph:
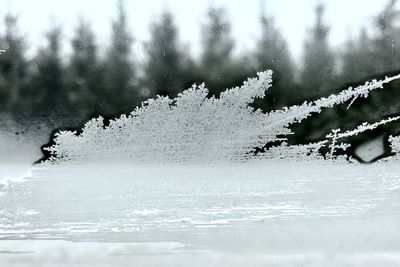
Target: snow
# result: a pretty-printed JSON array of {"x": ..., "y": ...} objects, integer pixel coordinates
[
  {"x": 12, "y": 173},
  {"x": 261, "y": 212},
  {"x": 63, "y": 254}
]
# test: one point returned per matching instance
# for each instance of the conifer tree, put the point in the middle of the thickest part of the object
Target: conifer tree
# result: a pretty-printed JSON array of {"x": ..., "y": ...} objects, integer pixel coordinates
[
  {"x": 217, "y": 64},
  {"x": 272, "y": 53},
  {"x": 166, "y": 63},
  {"x": 48, "y": 79},
  {"x": 13, "y": 66},
  {"x": 357, "y": 59},
  {"x": 120, "y": 93},
  {"x": 318, "y": 62},
  {"x": 83, "y": 71},
  {"x": 387, "y": 41}
]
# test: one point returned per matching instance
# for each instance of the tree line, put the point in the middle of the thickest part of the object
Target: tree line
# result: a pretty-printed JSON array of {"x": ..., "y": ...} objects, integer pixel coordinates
[{"x": 88, "y": 84}]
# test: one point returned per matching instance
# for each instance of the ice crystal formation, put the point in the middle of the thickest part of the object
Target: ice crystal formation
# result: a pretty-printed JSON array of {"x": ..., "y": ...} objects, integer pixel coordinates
[
  {"x": 196, "y": 128},
  {"x": 394, "y": 142},
  {"x": 336, "y": 134}
]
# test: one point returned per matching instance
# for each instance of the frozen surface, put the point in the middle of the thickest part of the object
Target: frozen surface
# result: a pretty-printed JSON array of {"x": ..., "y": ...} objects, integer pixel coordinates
[
  {"x": 261, "y": 212},
  {"x": 14, "y": 151}
]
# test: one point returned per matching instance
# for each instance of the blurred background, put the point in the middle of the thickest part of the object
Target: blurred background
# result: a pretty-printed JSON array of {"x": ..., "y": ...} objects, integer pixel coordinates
[{"x": 67, "y": 61}]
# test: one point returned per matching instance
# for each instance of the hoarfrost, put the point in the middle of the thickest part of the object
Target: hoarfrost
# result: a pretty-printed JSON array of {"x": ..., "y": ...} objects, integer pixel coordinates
[
  {"x": 394, "y": 142},
  {"x": 195, "y": 128},
  {"x": 336, "y": 134}
]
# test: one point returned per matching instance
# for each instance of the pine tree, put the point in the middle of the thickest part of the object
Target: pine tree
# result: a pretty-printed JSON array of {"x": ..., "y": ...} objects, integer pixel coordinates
[
  {"x": 48, "y": 78},
  {"x": 387, "y": 41},
  {"x": 357, "y": 59},
  {"x": 120, "y": 94},
  {"x": 217, "y": 63},
  {"x": 376, "y": 54},
  {"x": 13, "y": 66},
  {"x": 83, "y": 71},
  {"x": 319, "y": 62},
  {"x": 166, "y": 63},
  {"x": 272, "y": 53}
]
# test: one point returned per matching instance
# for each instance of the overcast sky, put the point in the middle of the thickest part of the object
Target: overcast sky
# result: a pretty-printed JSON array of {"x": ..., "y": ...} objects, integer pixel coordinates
[{"x": 293, "y": 17}]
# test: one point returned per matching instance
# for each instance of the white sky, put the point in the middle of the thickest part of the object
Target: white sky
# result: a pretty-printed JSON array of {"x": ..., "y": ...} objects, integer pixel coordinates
[{"x": 293, "y": 17}]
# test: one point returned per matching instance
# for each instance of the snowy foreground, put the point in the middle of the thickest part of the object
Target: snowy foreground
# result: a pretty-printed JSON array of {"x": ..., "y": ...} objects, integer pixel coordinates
[{"x": 259, "y": 213}]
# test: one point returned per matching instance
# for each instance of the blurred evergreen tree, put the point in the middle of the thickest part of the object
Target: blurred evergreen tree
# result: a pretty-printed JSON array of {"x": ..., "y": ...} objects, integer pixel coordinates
[
  {"x": 318, "y": 71},
  {"x": 48, "y": 78},
  {"x": 217, "y": 66},
  {"x": 120, "y": 94},
  {"x": 83, "y": 75},
  {"x": 272, "y": 53},
  {"x": 376, "y": 54},
  {"x": 13, "y": 67},
  {"x": 387, "y": 40},
  {"x": 365, "y": 58},
  {"x": 357, "y": 59},
  {"x": 167, "y": 66}
]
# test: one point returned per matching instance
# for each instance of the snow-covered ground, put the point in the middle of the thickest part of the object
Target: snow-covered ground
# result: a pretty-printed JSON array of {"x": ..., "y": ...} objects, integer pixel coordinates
[{"x": 259, "y": 213}]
